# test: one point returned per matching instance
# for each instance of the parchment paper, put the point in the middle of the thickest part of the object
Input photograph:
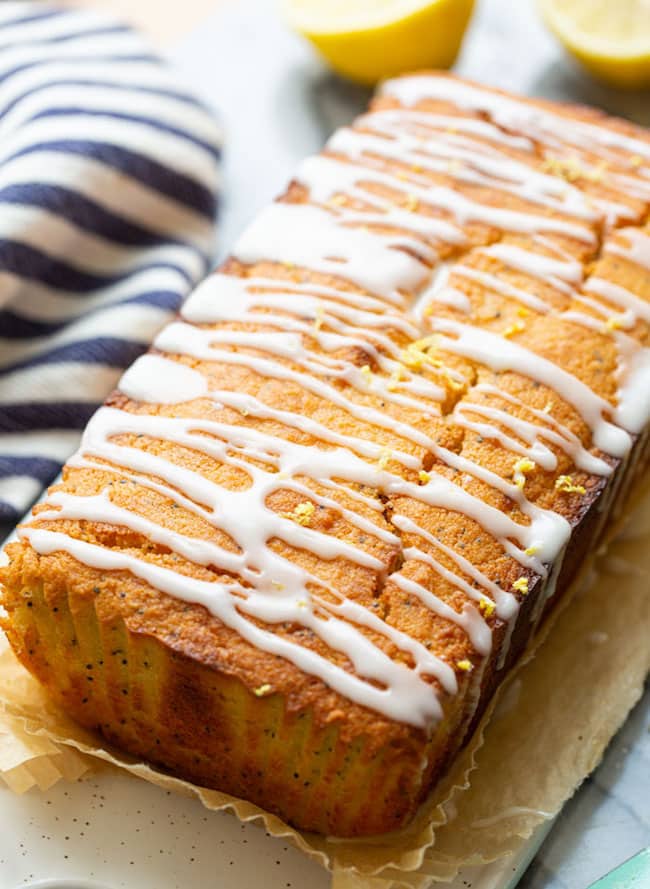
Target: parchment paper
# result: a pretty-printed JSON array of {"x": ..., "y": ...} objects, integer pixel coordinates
[{"x": 545, "y": 733}]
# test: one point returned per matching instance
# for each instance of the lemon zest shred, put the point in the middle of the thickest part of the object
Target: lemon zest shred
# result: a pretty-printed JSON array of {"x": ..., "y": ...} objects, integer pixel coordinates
[
  {"x": 302, "y": 514},
  {"x": 384, "y": 458},
  {"x": 465, "y": 665},
  {"x": 456, "y": 385},
  {"x": 318, "y": 320},
  {"x": 524, "y": 465},
  {"x": 367, "y": 373},
  {"x": 519, "y": 470},
  {"x": 486, "y": 607},
  {"x": 411, "y": 203},
  {"x": 415, "y": 358},
  {"x": 521, "y": 585},
  {"x": 427, "y": 342},
  {"x": 515, "y": 327},
  {"x": 569, "y": 168},
  {"x": 397, "y": 376},
  {"x": 412, "y": 359},
  {"x": 262, "y": 690},
  {"x": 424, "y": 476},
  {"x": 597, "y": 173},
  {"x": 566, "y": 485}
]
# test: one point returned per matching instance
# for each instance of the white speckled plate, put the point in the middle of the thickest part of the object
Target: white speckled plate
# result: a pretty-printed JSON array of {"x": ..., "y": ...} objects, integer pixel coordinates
[{"x": 113, "y": 831}]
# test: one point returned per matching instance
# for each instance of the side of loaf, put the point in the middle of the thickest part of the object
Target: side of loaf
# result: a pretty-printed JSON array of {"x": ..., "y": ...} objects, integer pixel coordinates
[{"x": 302, "y": 544}]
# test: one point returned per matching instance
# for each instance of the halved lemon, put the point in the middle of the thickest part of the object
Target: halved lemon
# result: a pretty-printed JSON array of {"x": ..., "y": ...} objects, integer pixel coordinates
[
  {"x": 368, "y": 40},
  {"x": 611, "y": 38}
]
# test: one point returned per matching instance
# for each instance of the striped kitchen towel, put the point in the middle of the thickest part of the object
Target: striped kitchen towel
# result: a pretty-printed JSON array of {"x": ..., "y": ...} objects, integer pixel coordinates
[{"x": 108, "y": 177}]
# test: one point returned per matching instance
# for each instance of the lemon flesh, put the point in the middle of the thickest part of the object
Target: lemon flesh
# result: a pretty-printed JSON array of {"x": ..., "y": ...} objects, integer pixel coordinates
[
  {"x": 369, "y": 40},
  {"x": 611, "y": 38}
]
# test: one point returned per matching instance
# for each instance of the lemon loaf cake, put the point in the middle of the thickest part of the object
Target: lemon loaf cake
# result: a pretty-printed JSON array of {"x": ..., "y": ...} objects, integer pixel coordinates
[{"x": 303, "y": 542}]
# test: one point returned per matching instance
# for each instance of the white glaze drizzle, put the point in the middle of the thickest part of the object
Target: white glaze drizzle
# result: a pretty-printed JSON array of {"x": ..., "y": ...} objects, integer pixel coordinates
[
  {"x": 481, "y": 164},
  {"x": 537, "y": 122},
  {"x": 634, "y": 307},
  {"x": 622, "y": 160},
  {"x": 176, "y": 382},
  {"x": 405, "y": 696},
  {"x": 306, "y": 236},
  {"x": 557, "y": 272},
  {"x": 547, "y": 531},
  {"x": 531, "y": 433},
  {"x": 637, "y": 249},
  {"x": 439, "y": 291},
  {"x": 501, "y": 354},
  {"x": 242, "y": 295},
  {"x": 327, "y": 175},
  {"x": 290, "y": 316}
]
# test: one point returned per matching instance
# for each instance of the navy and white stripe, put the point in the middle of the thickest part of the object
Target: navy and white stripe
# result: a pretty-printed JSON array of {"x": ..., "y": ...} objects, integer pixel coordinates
[{"x": 108, "y": 181}]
